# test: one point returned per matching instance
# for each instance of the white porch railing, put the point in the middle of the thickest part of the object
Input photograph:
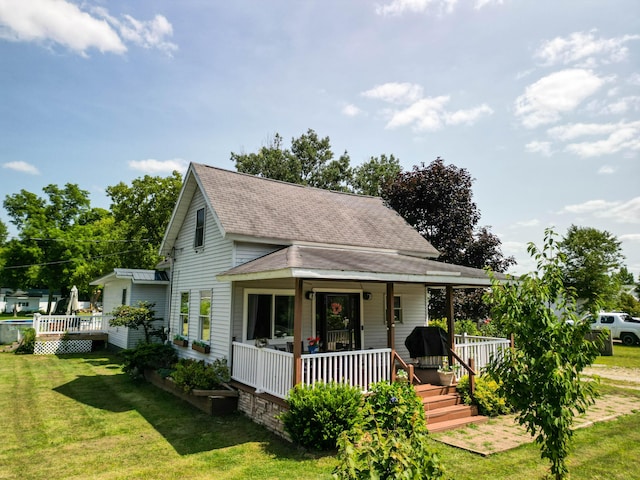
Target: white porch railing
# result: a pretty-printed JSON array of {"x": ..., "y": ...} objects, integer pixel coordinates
[
  {"x": 481, "y": 349},
  {"x": 271, "y": 371},
  {"x": 59, "y": 324},
  {"x": 265, "y": 369},
  {"x": 358, "y": 368}
]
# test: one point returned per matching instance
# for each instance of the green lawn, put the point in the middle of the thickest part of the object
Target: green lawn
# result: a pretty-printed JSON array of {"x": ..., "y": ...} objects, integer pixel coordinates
[
  {"x": 79, "y": 417},
  {"x": 623, "y": 356}
]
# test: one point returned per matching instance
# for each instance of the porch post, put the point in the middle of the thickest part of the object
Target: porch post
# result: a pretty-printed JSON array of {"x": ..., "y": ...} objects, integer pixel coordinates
[
  {"x": 390, "y": 320},
  {"x": 297, "y": 333},
  {"x": 450, "y": 322}
]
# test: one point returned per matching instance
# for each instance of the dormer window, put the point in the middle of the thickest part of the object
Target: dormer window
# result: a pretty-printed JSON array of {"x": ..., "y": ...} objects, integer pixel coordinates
[{"x": 199, "y": 240}]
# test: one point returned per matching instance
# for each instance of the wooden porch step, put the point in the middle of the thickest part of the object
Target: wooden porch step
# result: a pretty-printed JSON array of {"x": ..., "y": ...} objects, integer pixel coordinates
[
  {"x": 441, "y": 401},
  {"x": 451, "y": 413},
  {"x": 429, "y": 390},
  {"x": 457, "y": 423}
]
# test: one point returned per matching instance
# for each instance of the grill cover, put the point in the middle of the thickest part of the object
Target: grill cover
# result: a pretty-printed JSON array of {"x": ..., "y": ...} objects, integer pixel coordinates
[{"x": 426, "y": 341}]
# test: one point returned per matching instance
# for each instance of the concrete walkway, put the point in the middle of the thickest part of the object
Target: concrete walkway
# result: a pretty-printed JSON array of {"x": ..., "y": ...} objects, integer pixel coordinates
[{"x": 503, "y": 433}]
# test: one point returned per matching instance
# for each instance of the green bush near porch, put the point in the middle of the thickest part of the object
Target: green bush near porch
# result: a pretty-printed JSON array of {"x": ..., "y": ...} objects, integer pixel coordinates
[{"x": 318, "y": 414}]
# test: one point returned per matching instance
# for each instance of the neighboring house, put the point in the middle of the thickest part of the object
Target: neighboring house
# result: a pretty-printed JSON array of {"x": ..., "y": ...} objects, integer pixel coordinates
[
  {"x": 128, "y": 286},
  {"x": 253, "y": 259},
  {"x": 26, "y": 301}
]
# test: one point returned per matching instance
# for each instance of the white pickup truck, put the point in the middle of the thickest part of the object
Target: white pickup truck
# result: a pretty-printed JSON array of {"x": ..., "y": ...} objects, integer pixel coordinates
[{"x": 622, "y": 326}]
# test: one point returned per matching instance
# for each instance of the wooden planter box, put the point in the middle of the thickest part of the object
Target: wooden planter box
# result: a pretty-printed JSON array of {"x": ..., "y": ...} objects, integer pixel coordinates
[
  {"x": 200, "y": 348},
  {"x": 211, "y": 402},
  {"x": 181, "y": 343}
]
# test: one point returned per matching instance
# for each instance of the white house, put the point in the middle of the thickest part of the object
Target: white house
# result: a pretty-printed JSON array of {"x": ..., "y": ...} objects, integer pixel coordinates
[
  {"x": 128, "y": 286},
  {"x": 255, "y": 261}
]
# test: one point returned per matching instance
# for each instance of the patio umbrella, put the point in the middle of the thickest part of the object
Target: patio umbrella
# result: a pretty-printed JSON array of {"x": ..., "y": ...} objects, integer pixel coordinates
[{"x": 73, "y": 301}]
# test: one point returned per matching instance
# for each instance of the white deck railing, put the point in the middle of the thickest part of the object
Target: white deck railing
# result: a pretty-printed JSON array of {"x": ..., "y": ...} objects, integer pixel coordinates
[
  {"x": 358, "y": 368},
  {"x": 481, "y": 349},
  {"x": 265, "y": 369},
  {"x": 271, "y": 371},
  {"x": 59, "y": 324}
]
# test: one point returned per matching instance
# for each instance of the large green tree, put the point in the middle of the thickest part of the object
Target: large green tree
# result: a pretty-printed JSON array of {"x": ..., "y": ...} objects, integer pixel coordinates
[
  {"x": 592, "y": 260},
  {"x": 309, "y": 161},
  {"x": 542, "y": 376},
  {"x": 437, "y": 200},
  {"x": 141, "y": 212},
  {"x": 51, "y": 239}
]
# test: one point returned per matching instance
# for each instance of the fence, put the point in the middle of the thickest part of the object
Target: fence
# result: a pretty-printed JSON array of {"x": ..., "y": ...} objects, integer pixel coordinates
[{"x": 60, "y": 324}]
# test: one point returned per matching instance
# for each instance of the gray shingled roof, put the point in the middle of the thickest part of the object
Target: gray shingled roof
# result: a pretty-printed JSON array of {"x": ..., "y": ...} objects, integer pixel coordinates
[
  {"x": 135, "y": 274},
  {"x": 249, "y": 206},
  {"x": 314, "y": 262}
]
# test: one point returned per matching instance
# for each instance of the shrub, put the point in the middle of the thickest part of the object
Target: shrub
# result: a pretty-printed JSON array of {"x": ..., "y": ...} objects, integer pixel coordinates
[
  {"x": 391, "y": 442},
  {"x": 318, "y": 414},
  {"x": 395, "y": 406},
  {"x": 155, "y": 356},
  {"x": 192, "y": 374},
  {"x": 28, "y": 341},
  {"x": 487, "y": 396},
  {"x": 439, "y": 322},
  {"x": 467, "y": 326}
]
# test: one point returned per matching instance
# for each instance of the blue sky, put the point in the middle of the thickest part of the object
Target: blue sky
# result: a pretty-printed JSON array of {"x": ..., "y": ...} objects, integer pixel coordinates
[{"x": 539, "y": 100}]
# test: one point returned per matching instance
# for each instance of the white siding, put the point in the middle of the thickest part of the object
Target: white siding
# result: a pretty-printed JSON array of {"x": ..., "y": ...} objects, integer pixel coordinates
[
  {"x": 112, "y": 298},
  {"x": 245, "y": 252},
  {"x": 195, "y": 270},
  {"x": 147, "y": 293}
]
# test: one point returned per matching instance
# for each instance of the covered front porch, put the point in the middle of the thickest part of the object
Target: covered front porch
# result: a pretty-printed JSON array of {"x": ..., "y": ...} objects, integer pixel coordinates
[{"x": 389, "y": 292}]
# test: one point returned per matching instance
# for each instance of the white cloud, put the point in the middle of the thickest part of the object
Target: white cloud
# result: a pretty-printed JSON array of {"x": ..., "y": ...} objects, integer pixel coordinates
[
  {"x": 527, "y": 223},
  {"x": 57, "y": 21},
  {"x": 545, "y": 100},
  {"x": 621, "y": 212},
  {"x": 606, "y": 170},
  {"x": 468, "y": 117},
  {"x": 630, "y": 237},
  {"x": 153, "y": 166},
  {"x": 539, "y": 147},
  {"x": 64, "y": 23},
  {"x": 23, "y": 167},
  {"x": 398, "y": 7},
  {"x": 422, "y": 113},
  {"x": 626, "y": 137},
  {"x": 582, "y": 48},
  {"x": 393, "y": 92},
  {"x": 425, "y": 114},
  {"x": 351, "y": 110},
  {"x": 574, "y": 130}
]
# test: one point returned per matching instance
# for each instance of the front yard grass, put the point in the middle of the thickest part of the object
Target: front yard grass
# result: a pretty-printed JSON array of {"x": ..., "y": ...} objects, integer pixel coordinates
[
  {"x": 623, "y": 356},
  {"x": 80, "y": 417}
]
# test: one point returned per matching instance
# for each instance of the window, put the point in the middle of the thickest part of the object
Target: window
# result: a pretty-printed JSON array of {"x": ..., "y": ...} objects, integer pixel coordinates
[
  {"x": 124, "y": 297},
  {"x": 205, "y": 315},
  {"x": 397, "y": 310},
  {"x": 199, "y": 240},
  {"x": 269, "y": 314},
  {"x": 606, "y": 319},
  {"x": 184, "y": 313}
]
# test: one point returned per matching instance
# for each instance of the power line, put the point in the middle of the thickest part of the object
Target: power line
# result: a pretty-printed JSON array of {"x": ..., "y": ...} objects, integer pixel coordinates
[
  {"x": 67, "y": 261},
  {"x": 145, "y": 240}
]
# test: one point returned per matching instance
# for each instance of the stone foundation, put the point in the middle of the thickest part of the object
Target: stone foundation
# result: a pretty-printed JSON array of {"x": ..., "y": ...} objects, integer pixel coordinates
[{"x": 263, "y": 410}]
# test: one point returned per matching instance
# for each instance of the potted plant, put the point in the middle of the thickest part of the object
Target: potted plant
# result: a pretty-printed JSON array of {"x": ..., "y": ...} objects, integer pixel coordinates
[
  {"x": 180, "y": 341},
  {"x": 314, "y": 344},
  {"x": 200, "y": 346},
  {"x": 447, "y": 373}
]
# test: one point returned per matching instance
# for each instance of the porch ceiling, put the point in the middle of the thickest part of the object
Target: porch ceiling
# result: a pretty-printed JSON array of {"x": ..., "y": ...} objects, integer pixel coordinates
[{"x": 300, "y": 261}]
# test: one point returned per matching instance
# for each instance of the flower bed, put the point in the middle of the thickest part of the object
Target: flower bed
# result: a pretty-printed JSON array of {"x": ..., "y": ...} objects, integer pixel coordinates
[{"x": 211, "y": 402}]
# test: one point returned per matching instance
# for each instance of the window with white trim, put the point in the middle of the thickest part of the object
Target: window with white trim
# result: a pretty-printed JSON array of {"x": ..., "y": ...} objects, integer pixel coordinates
[
  {"x": 184, "y": 314},
  {"x": 397, "y": 309},
  {"x": 199, "y": 239},
  {"x": 205, "y": 316},
  {"x": 269, "y": 314}
]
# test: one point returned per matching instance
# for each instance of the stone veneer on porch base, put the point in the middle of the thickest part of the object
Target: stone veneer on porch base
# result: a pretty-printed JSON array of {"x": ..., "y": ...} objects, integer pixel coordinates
[{"x": 262, "y": 408}]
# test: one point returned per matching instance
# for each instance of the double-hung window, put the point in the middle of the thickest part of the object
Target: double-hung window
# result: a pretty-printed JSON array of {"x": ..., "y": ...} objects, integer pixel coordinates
[
  {"x": 269, "y": 314},
  {"x": 199, "y": 240},
  {"x": 397, "y": 309},
  {"x": 184, "y": 314},
  {"x": 205, "y": 315}
]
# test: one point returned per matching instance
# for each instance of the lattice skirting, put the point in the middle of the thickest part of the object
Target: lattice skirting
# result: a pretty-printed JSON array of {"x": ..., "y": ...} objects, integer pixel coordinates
[{"x": 55, "y": 347}]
